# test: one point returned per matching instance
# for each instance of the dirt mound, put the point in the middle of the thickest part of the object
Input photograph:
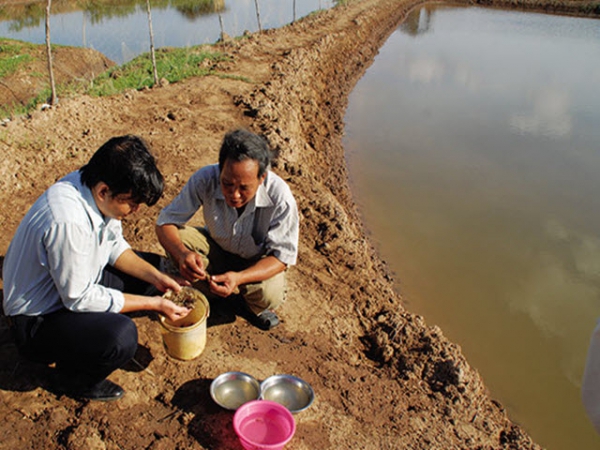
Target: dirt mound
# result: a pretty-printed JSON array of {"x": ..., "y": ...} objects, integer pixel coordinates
[
  {"x": 383, "y": 379},
  {"x": 31, "y": 79}
]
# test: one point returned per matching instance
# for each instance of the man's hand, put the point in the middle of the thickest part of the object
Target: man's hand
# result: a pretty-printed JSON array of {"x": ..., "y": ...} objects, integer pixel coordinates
[
  {"x": 171, "y": 310},
  {"x": 189, "y": 263},
  {"x": 225, "y": 284},
  {"x": 166, "y": 282},
  {"x": 191, "y": 266},
  {"x": 155, "y": 303}
]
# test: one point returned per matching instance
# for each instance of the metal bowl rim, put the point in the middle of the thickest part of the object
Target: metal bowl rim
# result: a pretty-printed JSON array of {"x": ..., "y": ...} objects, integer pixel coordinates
[
  {"x": 274, "y": 379},
  {"x": 226, "y": 376}
]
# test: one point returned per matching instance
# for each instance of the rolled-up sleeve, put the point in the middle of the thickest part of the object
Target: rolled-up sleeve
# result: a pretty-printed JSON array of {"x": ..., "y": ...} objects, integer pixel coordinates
[
  {"x": 282, "y": 237},
  {"x": 184, "y": 206},
  {"x": 75, "y": 262}
]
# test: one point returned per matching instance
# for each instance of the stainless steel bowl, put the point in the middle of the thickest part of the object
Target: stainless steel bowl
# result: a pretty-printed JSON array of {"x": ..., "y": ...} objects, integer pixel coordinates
[
  {"x": 290, "y": 391},
  {"x": 230, "y": 390}
]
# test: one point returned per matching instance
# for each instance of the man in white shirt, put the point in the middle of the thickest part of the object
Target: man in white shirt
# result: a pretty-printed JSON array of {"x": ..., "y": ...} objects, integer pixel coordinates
[
  {"x": 68, "y": 271},
  {"x": 251, "y": 227}
]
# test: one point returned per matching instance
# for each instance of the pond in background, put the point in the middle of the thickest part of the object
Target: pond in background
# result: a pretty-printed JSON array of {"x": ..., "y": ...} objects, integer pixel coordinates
[
  {"x": 473, "y": 144},
  {"x": 121, "y": 32}
]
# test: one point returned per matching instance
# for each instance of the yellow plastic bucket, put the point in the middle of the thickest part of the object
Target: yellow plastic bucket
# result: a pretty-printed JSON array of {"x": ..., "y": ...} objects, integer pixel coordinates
[{"x": 186, "y": 338}]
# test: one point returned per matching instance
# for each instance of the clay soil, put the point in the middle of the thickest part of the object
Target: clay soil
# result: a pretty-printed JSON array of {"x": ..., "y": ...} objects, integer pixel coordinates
[{"x": 383, "y": 377}]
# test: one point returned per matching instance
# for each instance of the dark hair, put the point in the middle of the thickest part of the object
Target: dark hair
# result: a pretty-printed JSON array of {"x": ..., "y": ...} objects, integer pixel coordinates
[
  {"x": 126, "y": 165},
  {"x": 239, "y": 145}
]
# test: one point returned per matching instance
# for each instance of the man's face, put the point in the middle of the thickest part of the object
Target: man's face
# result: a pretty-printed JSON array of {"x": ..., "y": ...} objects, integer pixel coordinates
[
  {"x": 113, "y": 206},
  {"x": 240, "y": 181},
  {"x": 120, "y": 206}
]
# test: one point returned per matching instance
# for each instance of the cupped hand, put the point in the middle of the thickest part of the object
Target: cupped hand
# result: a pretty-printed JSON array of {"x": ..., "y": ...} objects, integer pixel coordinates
[
  {"x": 191, "y": 267},
  {"x": 224, "y": 284},
  {"x": 167, "y": 282},
  {"x": 173, "y": 311}
]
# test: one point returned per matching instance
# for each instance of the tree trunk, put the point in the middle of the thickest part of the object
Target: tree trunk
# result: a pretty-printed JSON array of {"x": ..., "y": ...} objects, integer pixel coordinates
[
  {"x": 53, "y": 98},
  {"x": 222, "y": 29},
  {"x": 154, "y": 70},
  {"x": 258, "y": 15}
]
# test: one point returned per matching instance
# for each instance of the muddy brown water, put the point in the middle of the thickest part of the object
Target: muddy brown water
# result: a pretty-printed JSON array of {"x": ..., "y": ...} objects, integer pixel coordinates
[{"x": 473, "y": 149}]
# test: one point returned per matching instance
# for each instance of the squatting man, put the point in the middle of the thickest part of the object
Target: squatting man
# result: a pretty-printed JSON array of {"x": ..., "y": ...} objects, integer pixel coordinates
[
  {"x": 250, "y": 233},
  {"x": 68, "y": 271}
]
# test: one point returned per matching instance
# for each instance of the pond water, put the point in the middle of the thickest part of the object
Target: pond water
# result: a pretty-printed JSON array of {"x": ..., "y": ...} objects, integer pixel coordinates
[
  {"x": 473, "y": 143},
  {"x": 122, "y": 33}
]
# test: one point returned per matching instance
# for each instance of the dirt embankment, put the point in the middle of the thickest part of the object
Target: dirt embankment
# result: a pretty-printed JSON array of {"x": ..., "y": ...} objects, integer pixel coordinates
[
  {"x": 68, "y": 65},
  {"x": 383, "y": 378}
]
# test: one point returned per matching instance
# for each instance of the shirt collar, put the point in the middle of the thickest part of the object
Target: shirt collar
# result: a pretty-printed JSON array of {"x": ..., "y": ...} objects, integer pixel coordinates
[{"x": 94, "y": 213}]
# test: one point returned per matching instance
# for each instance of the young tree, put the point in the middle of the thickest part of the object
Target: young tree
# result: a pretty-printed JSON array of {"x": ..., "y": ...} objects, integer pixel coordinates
[
  {"x": 257, "y": 15},
  {"x": 154, "y": 70},
  {"x": 222, "y": 28},
  {"x": 294, "y": 8},
  {"x": 54, "y": 98}
]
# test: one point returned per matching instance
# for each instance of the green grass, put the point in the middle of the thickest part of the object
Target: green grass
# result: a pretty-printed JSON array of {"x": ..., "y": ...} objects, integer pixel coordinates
[
  {"x": 173, "y": 64},
  {"x": 13, "y": 54},
  {"x": 16, "y": 109}
]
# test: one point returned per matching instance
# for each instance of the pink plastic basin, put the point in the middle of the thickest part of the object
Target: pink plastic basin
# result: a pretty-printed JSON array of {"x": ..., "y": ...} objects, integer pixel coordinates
[{"x": 263, "y": 425}]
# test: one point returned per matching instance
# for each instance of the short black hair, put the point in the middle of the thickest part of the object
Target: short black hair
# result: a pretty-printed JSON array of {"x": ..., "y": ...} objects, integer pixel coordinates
[
  {"x": 239, "y": 145},
  {"x": 126, "y": 165}
]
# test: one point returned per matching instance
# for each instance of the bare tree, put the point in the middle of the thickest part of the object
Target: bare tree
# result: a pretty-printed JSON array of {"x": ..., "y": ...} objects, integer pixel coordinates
[
  {"x": 154, "y": 70},
  {"x": 83, "y": 35},
  {"x": 222, "y": 29},
  {"x": 258, "y": 15},
  {"x": 294, "y": 8},
  {"x": 53, "y": 98}
]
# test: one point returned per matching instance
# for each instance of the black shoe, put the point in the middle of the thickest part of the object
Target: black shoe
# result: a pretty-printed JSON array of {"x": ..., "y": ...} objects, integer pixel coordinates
[
  {"x": 104, "y": 391},
  {"x": 266, "y": 320}
]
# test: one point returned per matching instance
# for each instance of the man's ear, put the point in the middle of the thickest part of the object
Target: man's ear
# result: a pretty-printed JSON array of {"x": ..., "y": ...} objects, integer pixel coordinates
[{"x": 102, "y": 190}]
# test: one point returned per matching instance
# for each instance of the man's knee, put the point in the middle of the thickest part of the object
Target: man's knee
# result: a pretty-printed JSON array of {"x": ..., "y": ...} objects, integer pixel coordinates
[
  {"x": 193, "y": 239},
  {"x": 268, "y": 294},
  {"x": 122, "y": 341}
]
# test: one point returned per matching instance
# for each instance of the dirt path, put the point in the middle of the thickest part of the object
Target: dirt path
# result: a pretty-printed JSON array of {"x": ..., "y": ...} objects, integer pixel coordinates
[{"x": 383, "y": 378}]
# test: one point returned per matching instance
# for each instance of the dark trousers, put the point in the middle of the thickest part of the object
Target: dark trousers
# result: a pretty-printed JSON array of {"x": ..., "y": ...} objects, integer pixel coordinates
[{"x": 86, "y": 346}]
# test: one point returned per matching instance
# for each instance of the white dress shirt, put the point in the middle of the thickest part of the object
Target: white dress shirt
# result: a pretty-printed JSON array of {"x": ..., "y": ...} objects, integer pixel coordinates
[
  {"x": 268, "y": 225},
  {"x": 58, "y": 253}
]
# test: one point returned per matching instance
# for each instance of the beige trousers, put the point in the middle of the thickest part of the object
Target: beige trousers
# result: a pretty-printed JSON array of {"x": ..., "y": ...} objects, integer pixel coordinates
[{"x": 267, "y": 294}]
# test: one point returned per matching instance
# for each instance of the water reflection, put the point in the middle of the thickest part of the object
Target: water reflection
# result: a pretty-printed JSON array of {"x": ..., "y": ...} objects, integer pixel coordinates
[
  {"x": 192, "y": 10},
  {"x": 417, "y": 22},
  {"x": 563, "y": 289},
  {"x": 472, "y": 143},
  {"x": 119, "y": 29},
  {"x": 548, "y": 114},
  {"x": 30, "y": 15}
]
